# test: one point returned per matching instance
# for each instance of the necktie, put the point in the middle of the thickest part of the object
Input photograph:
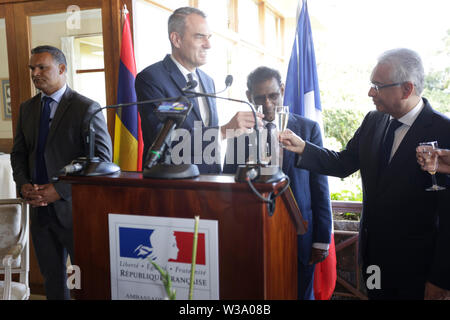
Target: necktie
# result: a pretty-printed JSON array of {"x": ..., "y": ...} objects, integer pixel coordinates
[
  {"x": 270, "y": 129},
  {"x": 200, "y": 102},
  {"x": 190, "y": 78},
  {"x": 41, "y": 168},
  {"x": 394, "y": 124}
]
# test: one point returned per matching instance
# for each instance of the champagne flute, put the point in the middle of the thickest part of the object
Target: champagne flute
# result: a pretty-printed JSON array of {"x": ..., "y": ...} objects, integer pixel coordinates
[
  {"x": 431, "y": 162},
  {"x": 282, "y": 116}
]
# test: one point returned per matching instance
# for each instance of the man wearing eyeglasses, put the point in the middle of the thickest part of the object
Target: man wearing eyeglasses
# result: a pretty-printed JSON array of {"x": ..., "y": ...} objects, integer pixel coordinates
[
  {"x": 310, "y": 189},
  {"x": 404, "y": 237}
]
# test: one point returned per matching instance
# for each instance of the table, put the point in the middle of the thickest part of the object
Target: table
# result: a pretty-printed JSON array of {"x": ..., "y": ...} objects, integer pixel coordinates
[{"x": 7, "y": 184}]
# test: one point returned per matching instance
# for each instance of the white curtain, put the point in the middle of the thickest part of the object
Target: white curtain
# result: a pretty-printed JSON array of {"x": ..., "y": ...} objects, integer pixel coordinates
[{"x": 68, "y": 49}]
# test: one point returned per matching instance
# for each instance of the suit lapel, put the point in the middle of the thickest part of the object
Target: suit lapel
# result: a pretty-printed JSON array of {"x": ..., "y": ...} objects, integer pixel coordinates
[
  {"x": 406, "y": 149},
  {"x": 180, "y": 82},
  {"x": 370, "y": 153},
  {"x": 62, "y": 107},
  {"x": 36, "y": 111}
]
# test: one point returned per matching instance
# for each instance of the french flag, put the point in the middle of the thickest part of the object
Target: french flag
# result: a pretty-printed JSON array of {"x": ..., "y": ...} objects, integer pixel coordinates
[
  {"x": 185, "y": 242},
  {"x": 303, "y": 96},
  {"x": 137, "y": 243}
]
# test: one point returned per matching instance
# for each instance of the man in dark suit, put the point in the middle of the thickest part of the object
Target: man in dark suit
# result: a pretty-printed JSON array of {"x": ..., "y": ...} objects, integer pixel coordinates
[
  {"x": 310, "y": 189},
  {"x": 404, "y": 234},
  {"x": 49, "y": 135},
  {"x": 189, "y": 36}
]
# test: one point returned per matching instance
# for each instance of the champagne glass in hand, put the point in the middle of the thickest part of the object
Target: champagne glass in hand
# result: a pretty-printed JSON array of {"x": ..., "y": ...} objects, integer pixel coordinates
[
  {"x": 282, "y": 116},
  {"x": 431, "y": 162}
]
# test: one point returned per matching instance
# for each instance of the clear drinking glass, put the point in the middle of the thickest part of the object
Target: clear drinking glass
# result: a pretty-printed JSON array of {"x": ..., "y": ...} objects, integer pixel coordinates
[
  {"x": 282, "y": 118},
  {"x": 431, "y": 162}
]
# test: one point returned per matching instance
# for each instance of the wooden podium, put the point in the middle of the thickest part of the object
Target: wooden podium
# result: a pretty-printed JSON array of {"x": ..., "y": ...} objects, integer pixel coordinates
[{"x": 257, "y": 252}]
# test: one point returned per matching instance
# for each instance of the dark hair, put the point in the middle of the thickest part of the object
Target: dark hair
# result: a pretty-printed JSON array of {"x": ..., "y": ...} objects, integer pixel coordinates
[
  {"x": 262, "y": 74},
  {"x": 177, "y": 19},
  {"x": 57, "y": 54}
]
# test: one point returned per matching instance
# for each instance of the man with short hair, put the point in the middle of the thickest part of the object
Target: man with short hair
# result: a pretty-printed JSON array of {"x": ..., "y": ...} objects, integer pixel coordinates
[
  {"x": 404, "y": 237},
  {"x": 189, "y": 36},
  {"x": 50, "y": 134},
  {"x": 310, "y": 189}
]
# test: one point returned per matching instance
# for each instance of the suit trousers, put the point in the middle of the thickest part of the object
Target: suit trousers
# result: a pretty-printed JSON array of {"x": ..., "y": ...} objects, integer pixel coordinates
[
  {"x": 416, "y": 292},
  {"x": 306, "y": 281},
  {"x": 52, "y": 243}
]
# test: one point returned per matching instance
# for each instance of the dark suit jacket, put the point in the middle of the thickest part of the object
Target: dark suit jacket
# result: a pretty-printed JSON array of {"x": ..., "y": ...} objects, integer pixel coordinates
[
  {"x": 404, "y": 229},
  {"x": 310, "y": 189},
  {"x": 162, "y": 80},
  {"x": 65, "y": 143}
]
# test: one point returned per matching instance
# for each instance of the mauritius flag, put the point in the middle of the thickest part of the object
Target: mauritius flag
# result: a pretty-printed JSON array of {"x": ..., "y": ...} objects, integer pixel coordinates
[{"x": 128, "y": 143}]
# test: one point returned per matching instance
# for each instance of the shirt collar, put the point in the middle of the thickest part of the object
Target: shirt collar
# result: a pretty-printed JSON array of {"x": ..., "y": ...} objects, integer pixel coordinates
[
  {"x": 57, "y": 95},
  {"x": 183, "y": 70},
  {"x": 265, "y": 122},
  {"x": 411, "y": 116}
]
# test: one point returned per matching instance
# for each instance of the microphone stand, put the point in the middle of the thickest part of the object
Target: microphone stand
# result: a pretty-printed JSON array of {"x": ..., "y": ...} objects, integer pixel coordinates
[
  {"x": 92, "y": 165},
  {"x": 255, "y": 172},
  {"x": 156, "y": 169}
]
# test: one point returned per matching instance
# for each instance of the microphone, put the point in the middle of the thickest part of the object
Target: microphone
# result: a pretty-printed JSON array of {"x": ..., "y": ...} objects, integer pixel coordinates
[
  {"x": 191, "y": 84},
  {"x": 229, "y": 80},
  {"x": 92, "y": 165},
  {"x": 172, "y": 115},
  {"x": 71, "y": 168},
  {"x": 264, "y": 173}
]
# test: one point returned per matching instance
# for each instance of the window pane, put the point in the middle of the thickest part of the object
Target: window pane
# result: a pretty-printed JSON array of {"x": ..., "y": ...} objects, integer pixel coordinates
[
  {"x": 174, "y": 4},
  {"x": 272, "y": 32},
  {"x": 218, "y": 67},
  {"x": 150, "y": 46},
  {"x": 248, "y": 20},
  {"x": 216, "y": 12},
  {"x": 79, "y": 36},
  {"x": 5, "y": 96},
  {"x": 88, "y": 83},
  {"x": 89, "y": 52}
]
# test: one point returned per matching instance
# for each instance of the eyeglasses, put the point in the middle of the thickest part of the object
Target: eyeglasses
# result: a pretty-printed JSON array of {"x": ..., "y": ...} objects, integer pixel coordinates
[
  {"x": 274, "y": 96},
  {"x": 378, "y": 87}
]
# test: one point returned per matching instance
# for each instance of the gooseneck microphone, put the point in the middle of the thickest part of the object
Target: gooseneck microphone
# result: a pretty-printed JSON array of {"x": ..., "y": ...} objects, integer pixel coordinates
[
  {"x": 162, "y": 141},
  {"x": 258, "y": 172},
  {"x": 92, "y": 165},
  {"x": 228, "y": 83}
]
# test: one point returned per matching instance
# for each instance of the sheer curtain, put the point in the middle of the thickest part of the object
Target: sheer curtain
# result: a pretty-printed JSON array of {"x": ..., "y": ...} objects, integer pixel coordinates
[{"x": 67, "y": 48}]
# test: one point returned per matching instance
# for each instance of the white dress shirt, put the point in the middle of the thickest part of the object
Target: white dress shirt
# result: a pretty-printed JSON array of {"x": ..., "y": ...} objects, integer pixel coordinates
[
  {"x": 407, "y": 121},
  {"x": 202, "y": 103},
  {"x": 56, "y": 96}
]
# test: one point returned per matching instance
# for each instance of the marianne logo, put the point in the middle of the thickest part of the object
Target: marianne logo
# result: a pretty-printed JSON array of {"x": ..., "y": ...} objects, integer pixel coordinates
[{"x": 161, "y": 245}]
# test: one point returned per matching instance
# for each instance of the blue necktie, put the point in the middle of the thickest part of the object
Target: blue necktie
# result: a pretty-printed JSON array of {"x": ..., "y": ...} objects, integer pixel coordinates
[
  {"x": 40, "y": 171},
  {"x": 394, "y": 124}
]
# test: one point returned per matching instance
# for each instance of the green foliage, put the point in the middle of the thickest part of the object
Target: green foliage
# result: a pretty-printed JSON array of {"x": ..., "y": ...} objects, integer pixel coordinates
[
  {"x": 165, "y": 278},
  {"x": 347, "y": 195},
  {"x": 341, "y": 123},
  {"x": 437, "y": 82},
  {"x": 437, "y": 89}
]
